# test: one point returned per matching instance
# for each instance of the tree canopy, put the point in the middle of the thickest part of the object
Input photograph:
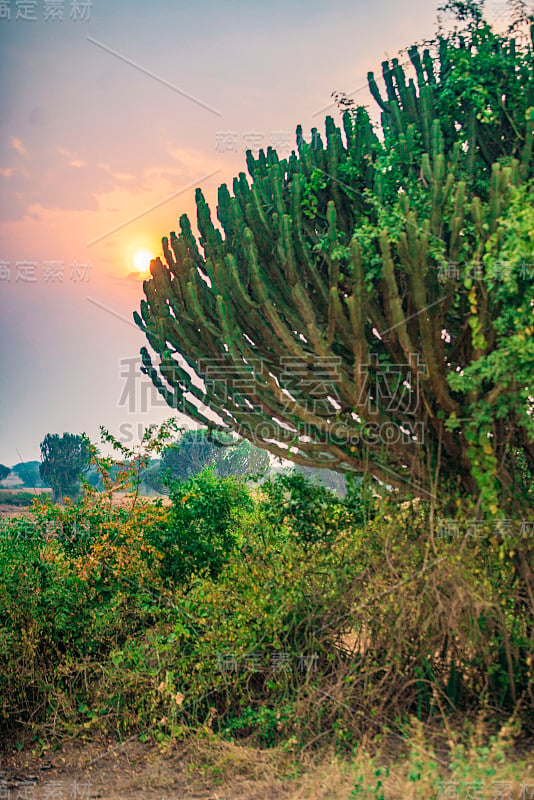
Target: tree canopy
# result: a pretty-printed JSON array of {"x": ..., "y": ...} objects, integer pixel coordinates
[
  {"x": 195, "y": 451},
  {"x": 63, "y": 460},
  {"x": 366, "y": 304}
]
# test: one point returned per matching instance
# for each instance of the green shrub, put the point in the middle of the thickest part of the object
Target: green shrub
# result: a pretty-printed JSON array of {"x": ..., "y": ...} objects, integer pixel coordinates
[
  {"x": 168, "y": 617},
  {"x": 310, "y": 511},
  {"x": 203, "y": 526},
  {"x": 264, "y": 723}
]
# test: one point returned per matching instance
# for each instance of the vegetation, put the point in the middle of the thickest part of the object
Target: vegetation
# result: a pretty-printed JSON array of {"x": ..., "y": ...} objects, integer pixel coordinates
[
  {"x": 203, "y": 526},
  {"x": 393, "y": 631},
  {"x": 326, "y": 477},
  {"x": 311, "y": 511},
  {"x": 369, "y": 305},
  {"x": 195, "y": 450},
  {"x": 10, "y": 498},
  {"x": 63, "y": 461},
  {"x": 4, "y": 472},
  {"x": 281, "y": 616},
  {"x": 28, "y": 473}
]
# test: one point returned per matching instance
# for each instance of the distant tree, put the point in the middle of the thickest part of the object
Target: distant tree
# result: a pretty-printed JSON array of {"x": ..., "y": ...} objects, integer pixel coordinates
[
  {"x": 4, "y": 472},
  {"x": 189, "y": 456},
  {"x": 335, "y": 481},
  {"x": 195, "y": 451},
  {"x": 240, "y": 459},
  {"x": 64, "y": 459},
  {"x": 153, "y": 479}
]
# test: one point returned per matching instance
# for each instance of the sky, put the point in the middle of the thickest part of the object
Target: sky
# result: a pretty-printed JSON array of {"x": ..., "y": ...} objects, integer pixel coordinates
[{"x": 111, "y": 115}]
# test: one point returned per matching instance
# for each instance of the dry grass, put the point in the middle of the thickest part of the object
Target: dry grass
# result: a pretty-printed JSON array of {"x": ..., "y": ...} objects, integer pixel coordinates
[
  {"x": 120, "y": 500},
  {"x": 210, "y": 768},
  {"x": 125, "y": 499},
  {"x": 8, "y": 511}
]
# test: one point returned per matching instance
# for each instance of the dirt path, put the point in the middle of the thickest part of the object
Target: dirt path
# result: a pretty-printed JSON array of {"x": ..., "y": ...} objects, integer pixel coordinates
[
  {"x": 137, "y": 771},
  {"x": 208, "y": 768}
]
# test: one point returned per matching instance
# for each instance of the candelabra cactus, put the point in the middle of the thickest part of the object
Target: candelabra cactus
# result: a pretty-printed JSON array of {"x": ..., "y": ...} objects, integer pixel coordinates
[{"x": 334, "y": 316}]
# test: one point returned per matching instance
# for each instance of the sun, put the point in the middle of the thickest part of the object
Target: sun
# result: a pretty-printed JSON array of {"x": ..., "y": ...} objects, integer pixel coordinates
[{"x": 142, "y": 259}]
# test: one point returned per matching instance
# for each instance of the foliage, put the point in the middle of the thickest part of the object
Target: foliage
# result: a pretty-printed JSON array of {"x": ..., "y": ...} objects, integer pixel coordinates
[
  {"x": 336, "y": 481},
  {"x": 4, "y": 472},
  {"x": 76, "y": 581},
  {"x": 479, "y": 763},
  {"x": 203, "y": 525},
  {"x": 128, "y": 472},
  {"x": 286, "y": 615},
  {"x": 28, "y": 472},
  {"x": 189, "y": 455},
  {"x": 359, "y": 308},
  {"x": 119, "y": 614},
  {"x": 63, "y": 461},
  {"x": 312, "y": 512},
  {"x": 195, "y": 450},
  {"x": 240, "y": 459},
  {"x": 499, "y": 382}
]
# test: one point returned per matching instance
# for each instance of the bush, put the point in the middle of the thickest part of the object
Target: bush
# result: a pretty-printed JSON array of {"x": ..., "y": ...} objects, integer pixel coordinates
[
  {"x": 203, "y": 525},
  {"x": 395, "y": 631},
  {"x": 161, "y": 618},
  {"x": 309, "y": 510},
  {"x": 76, "y": 583}
]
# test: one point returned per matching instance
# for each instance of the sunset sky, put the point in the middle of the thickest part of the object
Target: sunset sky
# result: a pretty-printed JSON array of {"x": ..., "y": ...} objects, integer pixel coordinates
[{"x": 110, "y": 117}]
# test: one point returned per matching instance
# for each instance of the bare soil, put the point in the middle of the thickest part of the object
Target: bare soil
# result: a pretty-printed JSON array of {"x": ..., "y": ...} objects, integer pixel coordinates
[{"x": 140, "y": 771}]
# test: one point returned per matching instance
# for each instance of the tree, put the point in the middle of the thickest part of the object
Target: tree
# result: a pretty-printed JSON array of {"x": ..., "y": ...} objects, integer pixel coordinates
[
  {"x": 366, "y": 304},
  {"x": 4, "y": 472},
  {"x": 189, "y": 456},
  {"x": 239, "y": 459},
  {"x": 195, "y": 451},
  {"x": 63, "y": 460},
  {"x": 313, "y": 512},
  {"x": 335, "y": 481},
  {"x": 203, "y": 527}
]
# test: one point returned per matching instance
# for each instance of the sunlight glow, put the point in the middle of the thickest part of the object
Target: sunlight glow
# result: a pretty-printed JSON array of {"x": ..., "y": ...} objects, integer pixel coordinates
[{"x": 142, "y": 259}]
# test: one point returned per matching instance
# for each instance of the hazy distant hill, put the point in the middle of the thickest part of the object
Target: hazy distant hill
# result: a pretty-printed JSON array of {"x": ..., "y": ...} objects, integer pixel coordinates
[{"x": 25, "y": 475}]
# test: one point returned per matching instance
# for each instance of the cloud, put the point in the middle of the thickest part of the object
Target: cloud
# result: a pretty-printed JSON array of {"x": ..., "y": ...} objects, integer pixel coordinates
[
  {"x": 73, "y": 160},
  {"x": 123, "y": 176},
  {"x": 17, "y": 145},
  {"x": 137, "y": 277},
  {"x": 72, "y": 177},
  {"x": 63, "y": 152}
]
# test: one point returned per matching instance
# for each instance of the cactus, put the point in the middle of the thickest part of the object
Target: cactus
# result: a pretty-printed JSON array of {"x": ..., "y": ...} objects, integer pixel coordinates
[{"x": 277, "y": 309}]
